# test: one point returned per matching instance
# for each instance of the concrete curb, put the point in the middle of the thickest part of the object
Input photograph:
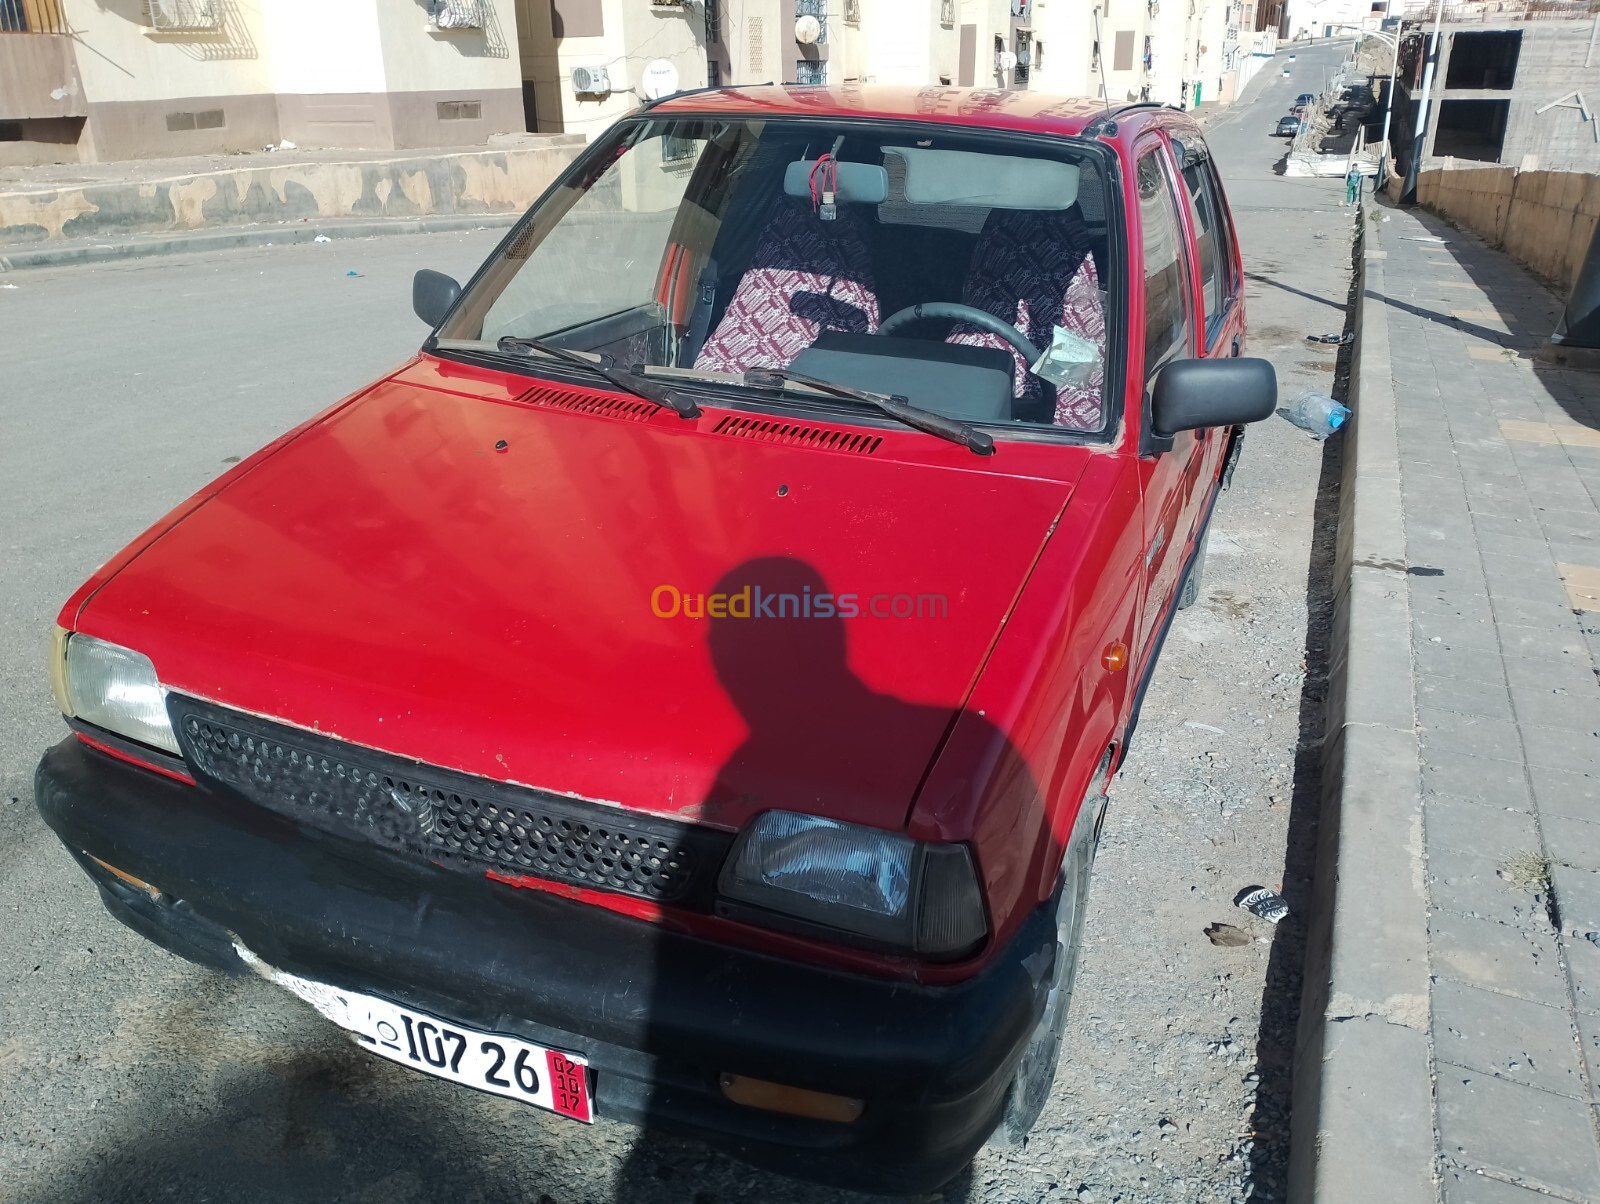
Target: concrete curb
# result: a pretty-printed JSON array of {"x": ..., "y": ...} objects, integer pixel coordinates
[
  {"x": 50, "y": 255},
  {"x": 1363, "y": 1124}
]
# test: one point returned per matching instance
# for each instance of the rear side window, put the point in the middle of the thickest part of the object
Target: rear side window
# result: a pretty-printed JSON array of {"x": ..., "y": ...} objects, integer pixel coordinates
[
  {"x": 1166, "y": 282},
  {"x": 1211, "y": 238}
]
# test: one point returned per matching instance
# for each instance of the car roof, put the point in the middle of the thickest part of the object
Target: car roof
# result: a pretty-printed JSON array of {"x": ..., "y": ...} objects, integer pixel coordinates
[{"x": 991, "y": 108}]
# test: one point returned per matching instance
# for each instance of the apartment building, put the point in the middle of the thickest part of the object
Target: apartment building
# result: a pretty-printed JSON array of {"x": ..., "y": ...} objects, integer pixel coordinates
[
  {"x": 113, "y": 79},
  {"x": 1513, "y": 86},
  {"x": 93, "y": 79},
  {"x": 584, "y": 63}
]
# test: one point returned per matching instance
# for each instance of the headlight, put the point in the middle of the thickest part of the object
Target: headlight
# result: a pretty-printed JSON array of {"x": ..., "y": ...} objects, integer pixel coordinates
[
  {"x": 864, "y": 882},
  {"x": 116, "y": 688}
]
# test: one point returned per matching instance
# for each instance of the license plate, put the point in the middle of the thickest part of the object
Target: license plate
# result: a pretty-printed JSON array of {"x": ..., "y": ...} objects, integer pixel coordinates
[{"x": 492, "y": 1062}]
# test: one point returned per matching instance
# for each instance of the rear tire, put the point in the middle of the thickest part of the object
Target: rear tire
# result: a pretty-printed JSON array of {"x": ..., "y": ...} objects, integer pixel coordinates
[
  {"x": 1036, "y": 1072},
  {"x": 1190, "y": 594}
]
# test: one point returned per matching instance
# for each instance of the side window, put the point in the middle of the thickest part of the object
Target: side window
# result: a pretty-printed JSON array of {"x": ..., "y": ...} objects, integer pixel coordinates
[
  {"x": 1211, "y": 236},
  {"x": 1166, "y": 279}
]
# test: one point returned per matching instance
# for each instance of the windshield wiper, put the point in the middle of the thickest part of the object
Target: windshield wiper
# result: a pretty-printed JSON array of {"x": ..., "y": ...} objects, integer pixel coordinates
[
  {"x": 605, "y": 368},
  {"x": 895, "y": 406}
]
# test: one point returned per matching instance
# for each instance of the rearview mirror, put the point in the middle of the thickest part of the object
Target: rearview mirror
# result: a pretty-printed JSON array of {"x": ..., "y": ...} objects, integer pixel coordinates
[
  {"x": 1193, "y": 394},
  {"x": 432, "y": 295}
]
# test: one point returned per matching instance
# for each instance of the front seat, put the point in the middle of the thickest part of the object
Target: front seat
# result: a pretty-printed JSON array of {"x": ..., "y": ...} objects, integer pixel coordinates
[
  {"x": 1035, "y": 269},
  {"x": 806, "y": 276}
]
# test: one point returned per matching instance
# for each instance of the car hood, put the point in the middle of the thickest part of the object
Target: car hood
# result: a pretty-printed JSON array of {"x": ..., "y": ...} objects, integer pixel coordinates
[{"x": 510, "y": 588}]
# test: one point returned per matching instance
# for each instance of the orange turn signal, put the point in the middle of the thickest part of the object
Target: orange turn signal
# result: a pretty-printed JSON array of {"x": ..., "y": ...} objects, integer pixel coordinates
[
  {"x": 792, "y": 1101},
  {"x": 1115, "y": 657}
]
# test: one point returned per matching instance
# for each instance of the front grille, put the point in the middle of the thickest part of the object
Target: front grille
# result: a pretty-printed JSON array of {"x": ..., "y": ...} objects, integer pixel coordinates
[{"x": 449, "y": 818}]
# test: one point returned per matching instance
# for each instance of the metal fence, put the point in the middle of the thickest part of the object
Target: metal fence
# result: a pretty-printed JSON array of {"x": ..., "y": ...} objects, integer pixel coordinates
[{"x": 32, "y": 16}]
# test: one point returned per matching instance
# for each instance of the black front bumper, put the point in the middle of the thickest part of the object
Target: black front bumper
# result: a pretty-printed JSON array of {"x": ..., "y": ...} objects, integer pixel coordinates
[{"x": 659, "y": 1014}]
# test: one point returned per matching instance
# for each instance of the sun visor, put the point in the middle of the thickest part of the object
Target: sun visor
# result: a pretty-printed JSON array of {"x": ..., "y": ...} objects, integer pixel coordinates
[
  {"x": 858, "y": 183},
  {"x": 950, "y": 177}
]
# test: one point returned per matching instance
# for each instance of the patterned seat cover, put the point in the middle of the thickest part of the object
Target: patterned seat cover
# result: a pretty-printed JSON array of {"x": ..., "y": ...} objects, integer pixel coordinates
[
  {"x": 806, "y": 276},
  {"x": 1035, "y": 270}
]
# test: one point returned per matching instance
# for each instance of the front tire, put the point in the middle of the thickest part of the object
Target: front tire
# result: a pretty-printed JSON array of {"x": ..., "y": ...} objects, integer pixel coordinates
[{"x": 1036, "y": 1072}]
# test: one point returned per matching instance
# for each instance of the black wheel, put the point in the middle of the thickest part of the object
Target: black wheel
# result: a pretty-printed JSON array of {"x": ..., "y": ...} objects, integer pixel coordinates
[
  {"x": 1190, "y": 594},
  {"x": 1036, "y": 1072}
]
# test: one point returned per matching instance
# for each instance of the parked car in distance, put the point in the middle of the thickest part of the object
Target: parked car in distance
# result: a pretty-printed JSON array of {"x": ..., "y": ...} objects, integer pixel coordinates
[
  {"x": 1304, "y": 99},
  {"x": 1289, "y": 126},
  {"x": 685, "y": 691}
]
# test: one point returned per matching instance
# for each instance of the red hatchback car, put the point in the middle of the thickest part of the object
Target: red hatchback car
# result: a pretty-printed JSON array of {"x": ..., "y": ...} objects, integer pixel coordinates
[{"x": 685, "y": 692}]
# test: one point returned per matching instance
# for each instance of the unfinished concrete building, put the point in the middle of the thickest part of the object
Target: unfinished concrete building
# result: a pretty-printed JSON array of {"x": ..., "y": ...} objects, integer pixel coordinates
[{"x": 1518, "y": 89}]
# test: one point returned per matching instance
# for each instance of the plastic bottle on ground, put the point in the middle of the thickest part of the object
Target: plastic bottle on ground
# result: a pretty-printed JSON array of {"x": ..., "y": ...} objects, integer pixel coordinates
[{"x": 1316, "y": 414}]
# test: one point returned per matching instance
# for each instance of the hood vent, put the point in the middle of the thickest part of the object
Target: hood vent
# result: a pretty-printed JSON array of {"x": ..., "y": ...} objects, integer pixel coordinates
[
  {"x": 795, "y": 435},
  {"x": 605, "y": 404}
]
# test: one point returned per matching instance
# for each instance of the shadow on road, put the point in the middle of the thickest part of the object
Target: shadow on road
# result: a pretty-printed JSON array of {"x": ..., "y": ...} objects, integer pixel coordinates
[{"x": 1298, "y": 292}]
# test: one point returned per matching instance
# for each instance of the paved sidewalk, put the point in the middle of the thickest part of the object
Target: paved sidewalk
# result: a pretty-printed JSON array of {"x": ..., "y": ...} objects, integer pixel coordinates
[{"x": 1500, "y": 481}]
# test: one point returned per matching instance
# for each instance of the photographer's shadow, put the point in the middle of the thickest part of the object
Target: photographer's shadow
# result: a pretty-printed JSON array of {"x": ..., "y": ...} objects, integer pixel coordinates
[{"x": 821, "y": 741}]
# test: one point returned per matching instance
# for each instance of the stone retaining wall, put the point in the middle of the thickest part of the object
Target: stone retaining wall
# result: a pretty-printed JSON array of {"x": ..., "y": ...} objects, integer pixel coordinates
[
  {"x": 1543, "y": 219},
  {"x": 477, "y": 182}
]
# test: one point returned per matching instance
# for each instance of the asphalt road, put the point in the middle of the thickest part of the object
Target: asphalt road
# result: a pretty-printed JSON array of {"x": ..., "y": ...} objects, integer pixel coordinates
[{"x": 128, "y": 1075}]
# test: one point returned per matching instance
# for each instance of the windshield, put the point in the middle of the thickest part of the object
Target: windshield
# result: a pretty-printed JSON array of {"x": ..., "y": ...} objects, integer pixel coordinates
[{"x": 965, "y": 273}]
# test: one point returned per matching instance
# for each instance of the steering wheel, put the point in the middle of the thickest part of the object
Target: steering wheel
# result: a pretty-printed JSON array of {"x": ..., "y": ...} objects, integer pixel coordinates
[{"x": 980, "y": 318}]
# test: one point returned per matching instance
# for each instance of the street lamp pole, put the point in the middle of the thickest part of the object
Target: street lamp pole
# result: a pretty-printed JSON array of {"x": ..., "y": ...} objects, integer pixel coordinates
[
  {"x": 1388, "y": 110},
  {"x": 1394, "y": 72},
  {"x": 1408, "y": 192}
]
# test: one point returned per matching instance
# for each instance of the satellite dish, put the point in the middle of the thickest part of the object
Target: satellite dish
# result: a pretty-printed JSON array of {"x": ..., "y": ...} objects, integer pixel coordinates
[
  {"x": 660, "y": 79},
  {"x": 807, "y": 30},
  {"x": 1008, "y": 60}
]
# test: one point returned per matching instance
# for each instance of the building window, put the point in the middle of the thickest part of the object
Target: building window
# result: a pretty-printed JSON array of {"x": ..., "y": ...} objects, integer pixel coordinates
[
  {"x": 1122, "y": 54},
  {"x": 678, "y": 150},
  {"x": 947, "y": 13},
  {"x": 1472, "y": 129},
  {"x": 713, "y": 74},
  {"x": 576, "y": 19},
  {"x": 713, "y": 22},
  {"x": 1019, "y": 73},
  {"x": 852, "y": 12},
  {"x": 1483, "y": 60},
  {"x": 460, "y": 110},
  {"x": 182, "y": 16},
  {"x": 807, "y": 72}
]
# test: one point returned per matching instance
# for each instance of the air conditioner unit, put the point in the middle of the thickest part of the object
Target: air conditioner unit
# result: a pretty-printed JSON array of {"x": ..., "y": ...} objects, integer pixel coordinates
[{"x": 591, "y": 81}]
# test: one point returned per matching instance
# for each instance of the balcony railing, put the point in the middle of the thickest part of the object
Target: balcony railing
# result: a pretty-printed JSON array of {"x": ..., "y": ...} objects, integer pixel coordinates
[{"x": 32, "y": 16}]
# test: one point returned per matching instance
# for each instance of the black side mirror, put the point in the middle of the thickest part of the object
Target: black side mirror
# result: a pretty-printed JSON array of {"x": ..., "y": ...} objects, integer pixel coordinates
[
  {"x": 1192, "y": 394},
  {"x": 432, "y": 295}
]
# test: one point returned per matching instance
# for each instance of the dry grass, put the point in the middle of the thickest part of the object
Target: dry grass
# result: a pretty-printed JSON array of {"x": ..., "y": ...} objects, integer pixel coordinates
[{"x": 1528, "y": 871}]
